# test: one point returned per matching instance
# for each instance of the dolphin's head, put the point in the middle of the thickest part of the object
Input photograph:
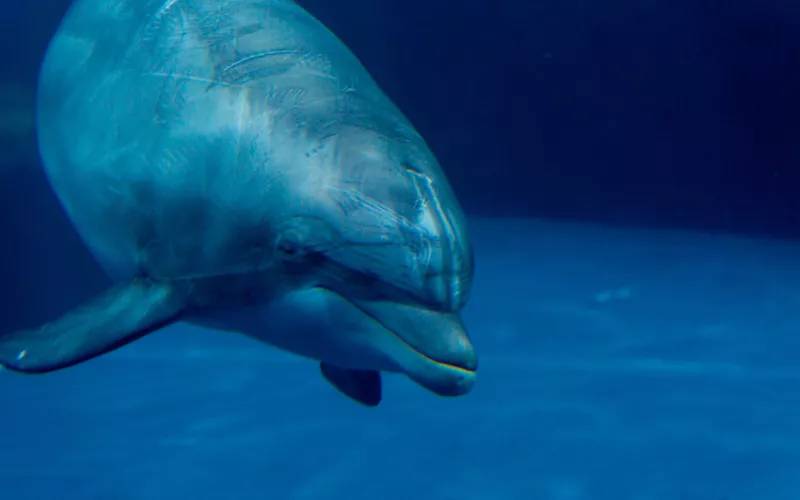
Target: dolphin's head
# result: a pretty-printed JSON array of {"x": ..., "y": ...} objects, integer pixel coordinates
[{"x": 380, "y": 227}]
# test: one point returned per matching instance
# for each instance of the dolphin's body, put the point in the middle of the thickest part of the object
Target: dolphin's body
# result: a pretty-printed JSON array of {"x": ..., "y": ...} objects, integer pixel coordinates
[{"x": 231, "y": 164}]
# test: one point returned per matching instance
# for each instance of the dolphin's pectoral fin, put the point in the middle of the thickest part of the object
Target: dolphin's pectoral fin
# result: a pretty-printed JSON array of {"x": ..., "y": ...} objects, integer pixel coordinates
[
  {"x": 363, "y": 386},
  {"x": 116, "y": 317}
]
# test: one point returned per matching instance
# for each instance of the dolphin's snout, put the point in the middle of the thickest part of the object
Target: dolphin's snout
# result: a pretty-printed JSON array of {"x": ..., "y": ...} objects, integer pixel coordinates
[
  {"x": 457, "y": 350},
  {"x": 437, "y": 352},
  {"x": 454, "y": 369}
]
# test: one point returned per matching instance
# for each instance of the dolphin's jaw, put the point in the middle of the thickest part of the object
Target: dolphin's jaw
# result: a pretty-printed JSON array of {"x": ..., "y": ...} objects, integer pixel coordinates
[
  {"x": 440, "y": 378},
  {"x": 312, "y": 323},
  {"x": 322, "y": 325},
  {"x": 443, "y": 379},
  {"x": 431, "y": 347}
]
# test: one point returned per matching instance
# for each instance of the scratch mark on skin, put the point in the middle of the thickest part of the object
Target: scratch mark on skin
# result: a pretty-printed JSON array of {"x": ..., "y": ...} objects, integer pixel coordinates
[
  {"x": 261, "y": 55},
  {"x": 158, "y": 18},
  {"x": 178, "y": 76},
  {"x": 241, "y": 125},
  {"x": 164, "y": 9}
]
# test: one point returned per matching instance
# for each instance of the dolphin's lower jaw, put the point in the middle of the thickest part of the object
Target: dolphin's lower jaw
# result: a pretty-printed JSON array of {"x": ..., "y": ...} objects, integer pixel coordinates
[
  {"x": 434, "y": 349},
  {"x": 440, "y": 378}
]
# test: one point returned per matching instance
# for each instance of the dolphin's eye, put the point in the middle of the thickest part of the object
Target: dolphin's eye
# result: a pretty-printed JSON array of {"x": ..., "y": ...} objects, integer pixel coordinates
[
  {"x": 288, "y": 249},
  {"x": 289, "y": 246},
  {"x": 294, "y": 252},
  {"x": 303, "y": 242}
]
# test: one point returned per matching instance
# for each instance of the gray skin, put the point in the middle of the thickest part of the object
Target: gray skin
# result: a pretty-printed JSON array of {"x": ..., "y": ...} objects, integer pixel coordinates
[{"x": 231, "y": 164}]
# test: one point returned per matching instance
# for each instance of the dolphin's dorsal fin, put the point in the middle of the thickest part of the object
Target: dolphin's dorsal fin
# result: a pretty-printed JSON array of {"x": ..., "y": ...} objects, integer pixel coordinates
[
  {"x": 118, "y": 316},
  {"x": 363, "y": 386}
]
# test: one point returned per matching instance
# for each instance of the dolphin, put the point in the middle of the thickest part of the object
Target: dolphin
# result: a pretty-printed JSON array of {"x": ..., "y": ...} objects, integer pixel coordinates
[{"x": 232, "y": 165}]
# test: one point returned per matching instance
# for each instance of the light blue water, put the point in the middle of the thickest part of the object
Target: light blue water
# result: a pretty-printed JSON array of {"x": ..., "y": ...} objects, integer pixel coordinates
[{"x": 616, "y": 365}]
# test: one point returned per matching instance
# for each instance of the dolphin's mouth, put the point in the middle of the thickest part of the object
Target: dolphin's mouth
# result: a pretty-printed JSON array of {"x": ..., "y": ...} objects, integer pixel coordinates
[
  {"x": 443, "y": 364},
  {"x": 437, "y": 337},
  {"x": 469, "y": 370}
]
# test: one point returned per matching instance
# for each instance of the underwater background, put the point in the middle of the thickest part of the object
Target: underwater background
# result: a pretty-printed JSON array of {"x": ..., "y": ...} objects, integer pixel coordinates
[{"x": 631, "y": 170}]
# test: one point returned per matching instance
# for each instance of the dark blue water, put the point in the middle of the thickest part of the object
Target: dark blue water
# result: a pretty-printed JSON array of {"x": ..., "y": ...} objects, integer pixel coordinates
[{"x": 632, "y": 174}]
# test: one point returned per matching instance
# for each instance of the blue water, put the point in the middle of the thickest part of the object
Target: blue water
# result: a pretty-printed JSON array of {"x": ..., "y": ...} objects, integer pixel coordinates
[
  {"x": 616, "y": 364},
  {"x": 618, "y": 361}
]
